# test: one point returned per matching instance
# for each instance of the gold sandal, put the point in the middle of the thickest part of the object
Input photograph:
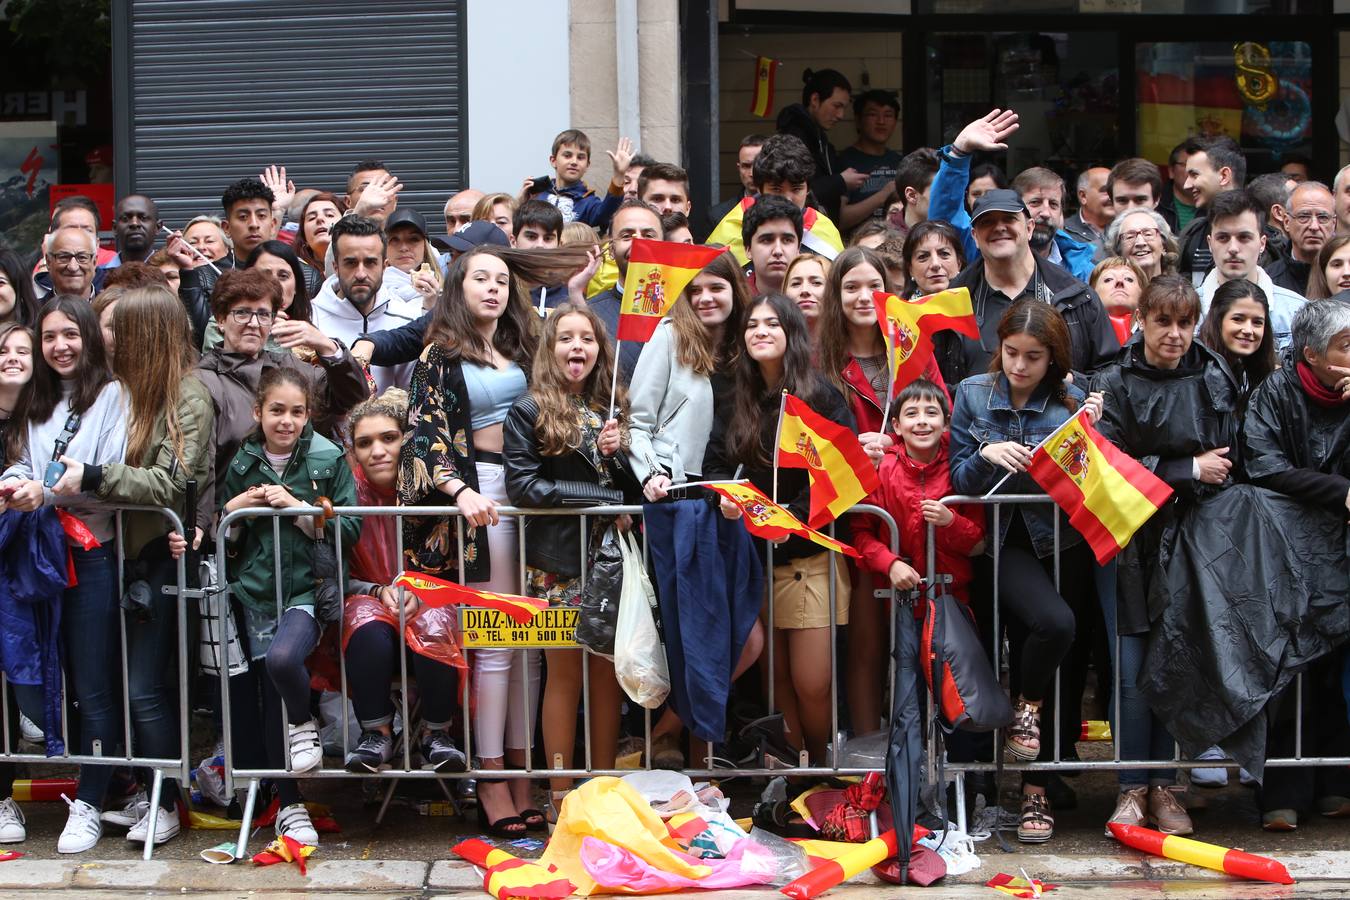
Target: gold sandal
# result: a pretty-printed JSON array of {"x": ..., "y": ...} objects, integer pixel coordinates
[
  {"x": 1035, "y": 811},
  {"x": 1026, "y": 726}
]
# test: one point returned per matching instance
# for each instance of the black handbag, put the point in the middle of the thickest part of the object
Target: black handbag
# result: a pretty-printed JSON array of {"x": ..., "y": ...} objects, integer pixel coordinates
[
  {"x": 599, "y": 611},
  {"x": 959, "y": 675}
]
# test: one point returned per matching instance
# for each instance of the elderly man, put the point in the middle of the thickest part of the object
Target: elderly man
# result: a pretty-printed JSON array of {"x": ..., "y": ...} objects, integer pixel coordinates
[
  {"x": 1311, "y": 222},
  {"x": 70, "y": 253},
  {"x": 459, "y": 209}
]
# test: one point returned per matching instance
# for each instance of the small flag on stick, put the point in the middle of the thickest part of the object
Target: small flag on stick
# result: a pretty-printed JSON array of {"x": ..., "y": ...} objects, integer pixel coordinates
[
  {"x": 766, "y": 519},
  {"x": 658, "y": 272},
  {"x": 841, "y": 472},
  {"x": 909, "y": 326},
  {"x": 438, "y": 592}
]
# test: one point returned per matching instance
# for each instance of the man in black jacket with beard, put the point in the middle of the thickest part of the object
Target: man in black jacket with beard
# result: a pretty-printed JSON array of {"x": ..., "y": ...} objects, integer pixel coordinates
[{"x": 1008, "y": 272}]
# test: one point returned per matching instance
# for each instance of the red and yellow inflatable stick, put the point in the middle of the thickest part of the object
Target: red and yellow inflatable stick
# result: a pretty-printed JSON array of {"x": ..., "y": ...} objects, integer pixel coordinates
[
  {"x": 842, "y": 868},
  {"x": 510, "y": 877},
  {"x": 1198, "y": 853}
]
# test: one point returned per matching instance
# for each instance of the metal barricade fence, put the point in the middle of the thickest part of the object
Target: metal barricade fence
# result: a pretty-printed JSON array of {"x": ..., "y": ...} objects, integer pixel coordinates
[
  {"x": 253, "y": 777},
  {"x": 178, "y": 767},
  {"x": 958, "y": 770}
]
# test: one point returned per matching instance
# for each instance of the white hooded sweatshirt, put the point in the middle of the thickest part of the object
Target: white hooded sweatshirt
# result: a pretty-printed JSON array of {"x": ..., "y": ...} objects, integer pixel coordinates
[{"x": 340, "y": 320}]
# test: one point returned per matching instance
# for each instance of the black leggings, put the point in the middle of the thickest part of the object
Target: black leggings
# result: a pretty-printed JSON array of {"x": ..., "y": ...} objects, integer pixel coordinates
[{"x": 372, "y": 663}]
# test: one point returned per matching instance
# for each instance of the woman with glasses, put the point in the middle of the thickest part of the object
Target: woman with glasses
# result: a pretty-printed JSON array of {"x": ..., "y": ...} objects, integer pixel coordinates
[{"x": 1143, "y": 237}]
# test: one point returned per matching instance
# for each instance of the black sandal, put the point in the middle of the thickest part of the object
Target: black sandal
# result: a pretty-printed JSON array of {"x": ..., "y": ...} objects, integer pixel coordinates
[
  {"x": 506, "y": 826},
  {"x": 534, "y": 819},
  {"x": 1035, "y": 811}
]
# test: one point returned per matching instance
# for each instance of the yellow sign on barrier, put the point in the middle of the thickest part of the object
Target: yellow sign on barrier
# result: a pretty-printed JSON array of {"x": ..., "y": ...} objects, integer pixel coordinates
[{"x": 491, "y": 628}]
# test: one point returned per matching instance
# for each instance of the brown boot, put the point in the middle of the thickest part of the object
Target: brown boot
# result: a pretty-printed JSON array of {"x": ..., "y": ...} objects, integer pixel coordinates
[
  {"x": 1131, "y": 808},
  {"x": 1167, "y": 812}
]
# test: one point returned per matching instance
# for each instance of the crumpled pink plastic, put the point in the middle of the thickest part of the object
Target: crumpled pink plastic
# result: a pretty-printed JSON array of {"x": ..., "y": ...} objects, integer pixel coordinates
[{"x": 617, "y": 869}]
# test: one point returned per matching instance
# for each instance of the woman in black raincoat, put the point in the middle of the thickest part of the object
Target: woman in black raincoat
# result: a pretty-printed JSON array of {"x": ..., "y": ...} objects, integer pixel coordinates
[{"x": 1170, "y": 402}]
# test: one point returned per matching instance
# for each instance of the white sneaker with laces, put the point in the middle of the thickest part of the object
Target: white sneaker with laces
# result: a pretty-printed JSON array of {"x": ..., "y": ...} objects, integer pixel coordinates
[
  {"x": 130, "y": 812},
  {"x": 31, "y": 733},
  {"x": 82, "y": 831},
  {"x": 12, "y": 823},
  {"x": 306, "y": 749},
  {"x": 167, "y": 826},
  {"x": 293, "y": 821}
]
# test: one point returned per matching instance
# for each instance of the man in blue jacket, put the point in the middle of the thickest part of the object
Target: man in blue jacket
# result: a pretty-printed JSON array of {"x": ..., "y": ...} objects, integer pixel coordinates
[{"x": 1042, "y": 191}]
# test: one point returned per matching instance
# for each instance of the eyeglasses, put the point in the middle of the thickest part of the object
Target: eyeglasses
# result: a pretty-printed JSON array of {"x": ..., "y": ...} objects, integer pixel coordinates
[
  {"x": 244, "y": 316},
  {"x": 66, "y": 259},
  {"x": 1129, "y": 237},
  {"x": 1306, "y": 218}
]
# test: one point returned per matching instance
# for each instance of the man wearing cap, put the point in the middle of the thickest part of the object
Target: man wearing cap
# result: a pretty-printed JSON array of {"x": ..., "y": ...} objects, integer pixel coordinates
[
  {"x": 356, "y": 300},
  {"x": 1007, "y": 272},
  {"x": 401, "y": 343}
]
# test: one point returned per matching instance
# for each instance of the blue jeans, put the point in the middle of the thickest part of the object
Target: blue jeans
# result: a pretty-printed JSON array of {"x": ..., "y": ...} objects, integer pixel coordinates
[
  {"x": 1142, "y": 735},
  {"x": 89, "y": 630}
]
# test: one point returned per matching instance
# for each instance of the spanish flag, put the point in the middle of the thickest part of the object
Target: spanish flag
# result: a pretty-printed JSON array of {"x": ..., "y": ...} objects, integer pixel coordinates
[
  {"x": 437, "y": 592},
  {"x": 761, "y": 104},
  {"x": 766, "y": 519},
  {"x": 509, "y": 877},
  {"x": 841, "y": 472},
  {"x": 1107, "y": 493},
  {"x": 657, "y": 273},
  {"x": 909, "y": 326},
  {"x": 818, "y": 233}
]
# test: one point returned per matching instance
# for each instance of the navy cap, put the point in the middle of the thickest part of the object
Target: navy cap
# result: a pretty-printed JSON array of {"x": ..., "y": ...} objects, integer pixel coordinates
[
  {"x": 998, "y": 200},
  {"x": 476, "y": 234}
]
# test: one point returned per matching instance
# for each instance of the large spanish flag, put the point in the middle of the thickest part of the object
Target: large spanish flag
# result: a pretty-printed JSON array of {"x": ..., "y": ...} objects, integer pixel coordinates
[
  {"x": 909, "y": 326},
  {"x": 761, "y": 102},
  {"x": 657, "y": 273},
  {"x": 1107, "y": 493},
  {"x": 766, "y": 519},
  {"x": 818, "y": 233},
  {"x": 438, "y": 592},
  {"x": 841, "y": 472}
]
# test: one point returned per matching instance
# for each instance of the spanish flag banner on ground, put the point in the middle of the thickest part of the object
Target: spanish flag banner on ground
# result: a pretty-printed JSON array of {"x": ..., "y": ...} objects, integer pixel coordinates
[
  {"x": 841, "y": 472},
  {"x": 819, "y": 235},
  {"x": 1107, "y": 493},
  {"x": 909, "y": 326},
  {"x": 766, "y": 519},
  {"x": 438, "y": 592},
  {"x": 508, "y": 877},
  {"x": 761, "y": 102},
  {"x": 657, "y": 273}
]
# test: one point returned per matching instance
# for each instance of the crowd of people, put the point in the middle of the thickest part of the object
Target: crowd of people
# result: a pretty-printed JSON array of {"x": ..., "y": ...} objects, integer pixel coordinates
[{"x": 310, "y": 345}]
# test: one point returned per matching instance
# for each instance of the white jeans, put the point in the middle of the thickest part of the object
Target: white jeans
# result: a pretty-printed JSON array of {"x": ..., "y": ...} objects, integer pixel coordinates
[{"x": 501, "y": 715}]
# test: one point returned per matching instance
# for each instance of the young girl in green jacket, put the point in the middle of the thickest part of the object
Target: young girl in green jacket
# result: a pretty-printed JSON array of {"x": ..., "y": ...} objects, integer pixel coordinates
[{"x": 283, "y": 464}]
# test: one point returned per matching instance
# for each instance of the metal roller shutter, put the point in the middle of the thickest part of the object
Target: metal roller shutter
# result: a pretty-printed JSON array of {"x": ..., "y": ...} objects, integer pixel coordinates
[{"x": 219, "y": 89}]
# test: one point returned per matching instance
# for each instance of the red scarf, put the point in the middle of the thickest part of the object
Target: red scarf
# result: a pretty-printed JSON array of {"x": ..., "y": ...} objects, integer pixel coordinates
[{"x": 1318, "y": 392}]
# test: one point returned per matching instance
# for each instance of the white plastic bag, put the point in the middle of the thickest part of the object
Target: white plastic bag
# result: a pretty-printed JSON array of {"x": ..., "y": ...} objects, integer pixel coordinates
[{"x": 639, "y": 658}]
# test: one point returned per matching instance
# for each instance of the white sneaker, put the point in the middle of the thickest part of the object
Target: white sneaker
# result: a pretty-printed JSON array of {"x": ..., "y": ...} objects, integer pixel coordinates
[
  {"x": 293, "y": 822},
  {"x": 82, "y": 831},
  {"x": 306, "y": 750},
  {"x": 31, "y": 733},
  {"x": 12, "y": 830},
  {"x": 166, "y": 826},
  {"x": 130, "y": 812},
  {"x": 1207, "y": 776}
]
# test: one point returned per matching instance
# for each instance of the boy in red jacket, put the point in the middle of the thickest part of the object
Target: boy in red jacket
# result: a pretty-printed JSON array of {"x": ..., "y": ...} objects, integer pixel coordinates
[{"x": 914, "y": 476}]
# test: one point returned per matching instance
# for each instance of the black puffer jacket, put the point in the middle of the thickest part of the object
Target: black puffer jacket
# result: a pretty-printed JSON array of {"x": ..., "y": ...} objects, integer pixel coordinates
[
  {"x": 553, "y": 543},
  {"x": 1164, "y": 418}
]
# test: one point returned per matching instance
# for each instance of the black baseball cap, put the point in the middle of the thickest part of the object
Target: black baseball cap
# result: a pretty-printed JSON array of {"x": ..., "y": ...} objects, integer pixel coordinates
[
  {"x": 476, "y": 234},
  {"x": 404, "y": 216},
  {"x": 999, "y": 200}
]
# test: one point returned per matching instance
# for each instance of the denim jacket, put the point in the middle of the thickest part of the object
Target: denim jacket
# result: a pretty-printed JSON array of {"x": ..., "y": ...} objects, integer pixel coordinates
[{"x": 983, "y": 414}]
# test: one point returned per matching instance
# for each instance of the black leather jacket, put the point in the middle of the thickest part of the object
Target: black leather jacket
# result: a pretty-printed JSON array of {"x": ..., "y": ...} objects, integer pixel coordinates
[{"x": 553, "y": 543}]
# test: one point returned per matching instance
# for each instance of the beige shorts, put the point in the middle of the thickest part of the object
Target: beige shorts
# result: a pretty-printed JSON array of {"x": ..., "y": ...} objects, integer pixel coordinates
[{"x": 801, "y": 592}]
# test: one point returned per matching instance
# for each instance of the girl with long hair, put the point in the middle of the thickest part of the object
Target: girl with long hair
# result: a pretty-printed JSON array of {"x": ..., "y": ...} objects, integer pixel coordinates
[
  {"x": 169, "y": 417},
  {"x": 563, "y": 448},
  {"x": 1330, "y": 274},
  {"x": 1237, "y": 327},
  {"x": 75, "y": 411},
  {"x": 997, "y": 419},
  {"x": 17, "y": 301},
  {"x": 316, "y": 217},
  {"x": 480, "y": 346},
  {"x": 776, "y": 357},
  {"x": 806, "y": 283}
]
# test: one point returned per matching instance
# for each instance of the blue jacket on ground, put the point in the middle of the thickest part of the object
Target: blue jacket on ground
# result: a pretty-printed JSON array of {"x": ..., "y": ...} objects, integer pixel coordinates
[
  {"x": 33, "y": 578},
  {"x": 709, "y": 582},
  {"x": 578, "y": 203},
  {"x": 947, "y": 203}
]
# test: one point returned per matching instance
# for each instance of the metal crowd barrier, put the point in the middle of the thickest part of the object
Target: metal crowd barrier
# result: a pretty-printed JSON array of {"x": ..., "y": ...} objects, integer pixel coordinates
[
  {"x": 179, "y": 767},
  {"x": 958, "y": 770},
  {"x": 253, "y": 777}
]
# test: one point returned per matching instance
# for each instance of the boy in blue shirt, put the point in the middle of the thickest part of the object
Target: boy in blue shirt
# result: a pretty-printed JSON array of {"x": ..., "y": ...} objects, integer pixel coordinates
[{"x": 570, "y": 159}]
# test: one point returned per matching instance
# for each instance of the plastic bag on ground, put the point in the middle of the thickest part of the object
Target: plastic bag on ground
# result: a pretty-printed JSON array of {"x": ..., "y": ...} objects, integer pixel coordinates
[
  {"x": 639, "y": 657},
  {"x": 618, "y": 869}
]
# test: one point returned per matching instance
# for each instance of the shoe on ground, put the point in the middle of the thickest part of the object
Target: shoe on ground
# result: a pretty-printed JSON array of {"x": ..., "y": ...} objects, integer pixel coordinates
[
  {"x": 1166, "y": 811},
  {"x": 1131, "y": 808},
  {"x": 1280, "y": 820},
  {"x": 1247, "y": 778},
  {"x": 13, "y": 828},
  {"x": 1215, "y": 777},
  {"x": 132, "y": 809},
  {"x": 82, "y": 831},
  {"x": 167, "y": 826},
  {"x": 372, "y": 753},
  {"x": 306, "y": 751},
  {"x": 666, "y": 753},
  {"x": 293, "y": 822},
  {"x": 440, "y": 753},
  {"x": 1333, "y": 806}
]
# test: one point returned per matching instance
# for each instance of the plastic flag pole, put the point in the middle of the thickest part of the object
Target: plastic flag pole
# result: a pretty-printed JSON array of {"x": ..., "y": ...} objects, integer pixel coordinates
[
  {"x": 199, "y": 254},
  {"x": 614, "y": 384},
  {"x": 777, "y": 437},
  {"x": 1080, "y": 411}
]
